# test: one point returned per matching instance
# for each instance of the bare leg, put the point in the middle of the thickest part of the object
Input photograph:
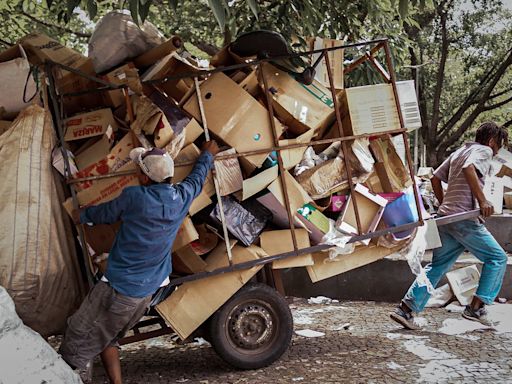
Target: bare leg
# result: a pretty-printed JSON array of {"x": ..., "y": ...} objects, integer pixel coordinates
[
  {"x": 112, "y": 365},
  {"x": 476, "y": 303}
]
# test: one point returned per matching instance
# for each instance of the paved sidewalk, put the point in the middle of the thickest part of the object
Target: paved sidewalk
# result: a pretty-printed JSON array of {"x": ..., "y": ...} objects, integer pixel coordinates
[{"x": 361, "y": 345}]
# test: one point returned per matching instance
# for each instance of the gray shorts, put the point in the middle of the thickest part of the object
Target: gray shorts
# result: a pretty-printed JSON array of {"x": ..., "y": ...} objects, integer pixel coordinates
[{"x": 103, "y": 318}]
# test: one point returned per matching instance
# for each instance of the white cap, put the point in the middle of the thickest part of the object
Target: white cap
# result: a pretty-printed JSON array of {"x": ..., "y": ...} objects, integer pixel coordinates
[{"x": 154, "y": 162}]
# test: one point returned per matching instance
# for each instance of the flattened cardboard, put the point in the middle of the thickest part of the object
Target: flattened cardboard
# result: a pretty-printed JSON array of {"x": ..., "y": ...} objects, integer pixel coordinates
[
  {"x": 370, "y": 208},
  {"x": 276, "y": 242},
  {"x": 229, "y": 174},
  {"x": 259, "y": 182},
  {"x": 89, "y": 124},
  {"x": 300, "y": 107},
  {"x": 335, "y": 61},
  {"x": 292, "y": 157},
  {"x": 392, "y": 173},
  {"x": 368, "y": 109},
  {"x": 150, "y": 57},
  {"x": 464, "y": 283},
  {"x": 187, "y": 233},
  {"x": 325, "y": 268},
  {"x": 234, "y": 116},
  {"x": 409, "y": 104},
  {"x": 192, "y": 303},
  {"x": 192, "y": 131}
]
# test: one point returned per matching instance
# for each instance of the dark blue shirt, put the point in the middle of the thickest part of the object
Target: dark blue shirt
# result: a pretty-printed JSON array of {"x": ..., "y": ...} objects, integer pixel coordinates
[{"x": 139, "y": 260}]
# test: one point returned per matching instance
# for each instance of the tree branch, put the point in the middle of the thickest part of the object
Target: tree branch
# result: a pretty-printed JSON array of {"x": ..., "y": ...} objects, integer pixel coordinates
[
  {"x": 440, "y": 73},
  {"x": 480, "y": 107},
  {"x": 499, "y": 94},
  {"x": 507, "y": 124},
  {"x": 60, "y": 28},
  {"x": 6, "y": 43},
  {"x": 497, "y": 105}
]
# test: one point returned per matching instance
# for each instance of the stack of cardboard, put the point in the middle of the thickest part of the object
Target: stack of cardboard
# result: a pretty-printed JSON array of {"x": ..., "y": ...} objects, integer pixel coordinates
[{"x": 102, "y": 127}]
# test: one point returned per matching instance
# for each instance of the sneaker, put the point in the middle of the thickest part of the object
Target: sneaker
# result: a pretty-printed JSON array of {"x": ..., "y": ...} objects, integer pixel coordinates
[
  {"x": 479, "y": 315},
  {"x": 406, "y": 319}
]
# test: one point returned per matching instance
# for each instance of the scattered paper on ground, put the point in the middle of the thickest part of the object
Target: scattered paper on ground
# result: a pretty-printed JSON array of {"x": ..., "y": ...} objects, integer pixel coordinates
[
  {"x": 309, "y": 333},
  {"x": 321, "y": 300},
  {"x": 425, "y": 352}
]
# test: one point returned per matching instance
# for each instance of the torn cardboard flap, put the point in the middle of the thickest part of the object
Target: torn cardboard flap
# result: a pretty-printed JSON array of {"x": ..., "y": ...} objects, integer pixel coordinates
[
  {"x": 192, "y": 303},
  {"x": 187, "y": 233},
  {"x": 392, "y": 173},
  {"x": 335, "y": 61},
  {"x": 89, "y": 124},
  {"x": 258, "y": 183},
  {"x": 185, "y": 260},
  {"x": 277, "y": 242},
  {"x": 151, "y": 120},
  {"x": 300, "y": 107},
  {"x": 235, "y": 116},
  {"x": 229, "y": 173},
  {"x": 370, "y": 208},
  {"x": 292, "y": 157},
  {"x": 124, "y": 75}
]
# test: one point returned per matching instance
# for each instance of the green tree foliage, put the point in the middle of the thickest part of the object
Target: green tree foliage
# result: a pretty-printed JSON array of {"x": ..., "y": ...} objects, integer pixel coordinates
[{"x": 464, "y": 50}]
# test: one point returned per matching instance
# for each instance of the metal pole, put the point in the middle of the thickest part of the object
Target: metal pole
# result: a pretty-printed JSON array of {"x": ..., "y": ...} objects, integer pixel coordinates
[
  {"x": 404, "y": 134},
  {"x": 215, "y": 181},
  {"x": 279, "y": 158},
  {"x": 344, "y": 148}
]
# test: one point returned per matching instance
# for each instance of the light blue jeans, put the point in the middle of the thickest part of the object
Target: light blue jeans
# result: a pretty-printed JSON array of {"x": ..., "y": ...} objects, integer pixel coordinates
[{"x": 456, "y": 237}]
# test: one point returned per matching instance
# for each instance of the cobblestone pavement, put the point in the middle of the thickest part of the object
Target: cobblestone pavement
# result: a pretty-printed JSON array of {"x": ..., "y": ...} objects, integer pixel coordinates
[{"x": 361, "y": 345}]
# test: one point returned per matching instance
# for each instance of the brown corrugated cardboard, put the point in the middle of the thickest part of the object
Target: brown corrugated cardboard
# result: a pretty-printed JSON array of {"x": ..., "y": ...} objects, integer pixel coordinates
[
  {"x": 150, "y": 57},
  {"x": 126, "y": 74},
  {"x": 89, "y": 124},
  {"x": 192, "y": 131},
  {"x": 192, "y": 303},
  {"x": 368, "y": 109},
  {"x": 335, "y": 61},
  {"x": 259, "y": 182},
  {"x": 187, "y": 233},
  {"x": 185, "y": 260},
  {"x": 300, "y": 107},
  {"x": 325, "y": 268},
  {"x": 393, "y": 175},
  {"x": 95, "y": 150},
  {"x": 229, "y": 174},
  {"x": 151, "y": 120},
  {"x": 292, "y": 157},
  {"x": 235, "y": 116},
  {"x": 370, "y": 208},
  {"x": 276, "y": 242}
]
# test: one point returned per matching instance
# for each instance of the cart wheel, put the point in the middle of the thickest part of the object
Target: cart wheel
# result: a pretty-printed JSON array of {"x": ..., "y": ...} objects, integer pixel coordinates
[{"x": 252, "y": 329}]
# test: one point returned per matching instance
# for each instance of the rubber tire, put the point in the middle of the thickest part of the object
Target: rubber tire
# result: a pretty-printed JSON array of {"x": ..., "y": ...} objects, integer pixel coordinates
[{"x": 245, "y": 358}]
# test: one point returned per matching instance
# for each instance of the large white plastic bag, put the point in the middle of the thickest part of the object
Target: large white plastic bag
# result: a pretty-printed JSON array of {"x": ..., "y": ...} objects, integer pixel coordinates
[
  {"x": 117, "y": 38},
  {"x": 38, "y": 262}
]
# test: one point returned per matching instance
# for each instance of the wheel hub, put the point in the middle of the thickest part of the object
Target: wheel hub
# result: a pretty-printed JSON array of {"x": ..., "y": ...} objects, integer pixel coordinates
[{"x": 251, "y": 326}]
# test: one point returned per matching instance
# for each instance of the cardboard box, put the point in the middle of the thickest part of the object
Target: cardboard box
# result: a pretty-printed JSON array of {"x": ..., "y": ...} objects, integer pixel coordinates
[
  {"x": 15, "y": 80},
  {"x": 94, "y": 151},
  {"x": 126, "y": 74},
  {"x": 300, "y": 107},
  {"x": 172, "y": 65},
  {"x": 276, "y": 242},
  {"x": 335, "y": 60},
  {"x": 392, "y": 173},
  {"x": 274, "y": 201},
  {"x": 192, "y": 303},
  {"x": 464, "y": 283},
  {"x": 408, "y": 104},
  {"x": 324, "y": 179},
  {"x": 368, "y": 109},
  {"x": 187, "y": 233},
  {"x": 258, "y": 183},
  {"x": 188, "y": 154},
  {"x": 325, "y": 268},
  {"x": 229, "y": 174},
  {"x": 185, "y": 260},
  {"x": 315, "y": 217},
  {"x": 151, "y": 120},
  {"x": 118, "y": 157},
  {"x": 370, "y": 208},
  {"x": 89, "y": 124},
  {"x": 493, "y": 191},
  {"x": 235, "y": 116},
  {"x": 155, "y": 54}
]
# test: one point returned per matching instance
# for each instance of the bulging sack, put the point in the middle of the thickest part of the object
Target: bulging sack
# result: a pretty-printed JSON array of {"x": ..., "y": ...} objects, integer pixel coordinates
[{"x": 38, "y": 261}]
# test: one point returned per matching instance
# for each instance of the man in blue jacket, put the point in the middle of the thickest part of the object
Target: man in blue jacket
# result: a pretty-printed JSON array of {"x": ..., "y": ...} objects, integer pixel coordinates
[{"x": 140, "y": 259}]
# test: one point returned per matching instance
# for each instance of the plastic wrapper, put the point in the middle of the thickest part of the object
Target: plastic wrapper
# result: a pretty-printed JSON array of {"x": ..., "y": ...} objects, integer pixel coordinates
[
  {"x": 117, "y": 38},
  {"x": 339, "y": 239},
  {"x": 229, "y": 174},
  {"x": 244, "y": 221}
]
